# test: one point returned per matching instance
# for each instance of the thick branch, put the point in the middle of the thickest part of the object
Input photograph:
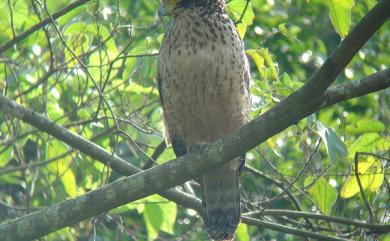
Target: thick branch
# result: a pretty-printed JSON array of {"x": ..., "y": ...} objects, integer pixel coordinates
[
  {"x": 295, "y": 107},
  {"x": 39, "y": 25}
]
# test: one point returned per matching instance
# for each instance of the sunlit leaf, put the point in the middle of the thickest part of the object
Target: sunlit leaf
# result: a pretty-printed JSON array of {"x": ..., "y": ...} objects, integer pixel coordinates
[
  {"x": 241, "y": 29},
  {"x": 141, "y": 90},
  {"x": 270, "y": 63},
  {"x": 153, "y": 216},
  {"x": 63, "y": 234},
  {"x": 385, "y": 237},
  {"x": 274, "y": 147},
  {"x": 365, "y": 126},
  {"x": 170, "y": 212},
  {"x": 259, "y": 61},
  {"x": 264, "y": 63},
  {"x": 78, "y": 39},
  {"x": 283, "y": 29},
  {"x": 241, "y": 12},
  {"x": 242, "y": 233},
  {"x": 340, "y": 15},
  {"x": 369, "y": 142},
  {"x": 370, "y": 174},
  {"x": 61, "y": 167},
  {"x": 287, "y": 168},
  {"x": 5, "y": 156},
  {"x": 167, "y": 155},
  {"x": 55, "y": 111}
]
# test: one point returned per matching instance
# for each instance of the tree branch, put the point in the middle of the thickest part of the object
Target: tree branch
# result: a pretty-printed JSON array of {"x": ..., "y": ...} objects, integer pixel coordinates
[
  {"x": 352, "y": 89},
  {"x": 300, "y": 104},
  {"x": 42, "y": 23},
  {"x": 285, "y": 229},
  {"x": 79, "y": 143},
  {"x": 333, "y": 95},
  {"x": 380, "y": 228}
]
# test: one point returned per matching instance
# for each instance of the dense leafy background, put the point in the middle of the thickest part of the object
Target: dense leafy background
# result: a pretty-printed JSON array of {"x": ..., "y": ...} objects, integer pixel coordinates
[{"x": 94, "y": 71}]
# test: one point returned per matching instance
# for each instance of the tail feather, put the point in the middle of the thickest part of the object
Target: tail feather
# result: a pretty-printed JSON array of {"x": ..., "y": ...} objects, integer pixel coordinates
[{"x": 221, "y": 201}]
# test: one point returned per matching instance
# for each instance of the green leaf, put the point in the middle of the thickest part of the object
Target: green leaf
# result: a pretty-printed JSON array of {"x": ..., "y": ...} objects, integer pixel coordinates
[
  {"x": 274, "y": 147},
  {"x": 264, "y": 63},
  {"x": 283, "y": 29},
  {"x": 370, "y": 174},
  {"x": 241, "y": 29},
  {"x": 166, "y": 156},
  {"x": 123, "y": 209},
  {"x": 5, "y": 155},
  {"x": 286, "y": 86},
  {"x": 78, "y": 39},
  {"x": 369, "y": 142},
  {"x": 61, "y": 234},
  {"x": 10, "y": 178},
  {"x": 241, "y": 12},
  {"x": 290, "y": 31},
  {"x": 365, "y": 126},
  {"x": 324, "y": 195},
  {"x": 21, "y": 15},
  {"x": 242, "y": 232},
  {"x": 287, "y": 168},
  {"x": 138, "y": 89},
  {"x": 153, "y": 217},
  {"x": 61, "y": 168},
  {"x": 334, "y": 145},
  {"x": 385, "y": 238},
  {"x": 340, "y": 15},
  {"x": 54, "y": 111},
  {"x": 80, "y": 36},
  {"x": 159, "y": 214},
  {"x": 259, "y": 61},
  {"x": 270, "y": 63}
]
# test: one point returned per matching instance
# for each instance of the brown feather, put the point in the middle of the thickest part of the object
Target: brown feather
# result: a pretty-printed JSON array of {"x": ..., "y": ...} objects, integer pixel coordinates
[{"x": 204, "y": 84}]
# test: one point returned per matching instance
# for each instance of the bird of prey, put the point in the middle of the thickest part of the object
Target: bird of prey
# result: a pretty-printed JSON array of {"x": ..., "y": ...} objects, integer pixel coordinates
[{"x": 203, "y": 80}]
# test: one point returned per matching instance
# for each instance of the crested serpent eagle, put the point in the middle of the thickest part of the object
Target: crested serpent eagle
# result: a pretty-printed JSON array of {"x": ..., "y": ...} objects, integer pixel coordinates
[{"x": 203, "y": 80}]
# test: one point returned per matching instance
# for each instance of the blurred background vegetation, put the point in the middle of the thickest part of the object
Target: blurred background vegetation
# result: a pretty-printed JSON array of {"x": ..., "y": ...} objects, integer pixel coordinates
[{"x": 93, "y": 70}]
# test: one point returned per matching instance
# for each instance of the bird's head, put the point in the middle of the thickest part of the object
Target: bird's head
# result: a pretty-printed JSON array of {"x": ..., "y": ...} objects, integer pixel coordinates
[{"x": 169, "y": 6}]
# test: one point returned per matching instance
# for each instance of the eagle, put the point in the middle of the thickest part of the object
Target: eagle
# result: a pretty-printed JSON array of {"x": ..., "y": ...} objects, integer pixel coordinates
[{"x": 203, "y": 80}]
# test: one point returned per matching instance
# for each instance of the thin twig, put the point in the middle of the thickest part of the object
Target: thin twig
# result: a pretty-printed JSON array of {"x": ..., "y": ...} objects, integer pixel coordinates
[
  {"x": 382, "y": 228},
  {"x": 243, "y": 12},
  {"x": 357, "y": 174},
  {"x": 290, "y": 230}
]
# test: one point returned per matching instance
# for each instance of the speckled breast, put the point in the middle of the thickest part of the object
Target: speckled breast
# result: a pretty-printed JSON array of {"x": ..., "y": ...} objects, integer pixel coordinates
[{"x": 204, "y": 77}]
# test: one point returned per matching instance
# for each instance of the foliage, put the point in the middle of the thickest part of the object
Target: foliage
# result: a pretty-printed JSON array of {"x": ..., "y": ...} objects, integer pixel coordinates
[{"x": 93, "y": 70}]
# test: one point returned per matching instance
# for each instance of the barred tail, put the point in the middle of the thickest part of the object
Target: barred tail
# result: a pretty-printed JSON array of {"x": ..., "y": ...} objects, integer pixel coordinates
[{"x": 221, "y": 201}]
